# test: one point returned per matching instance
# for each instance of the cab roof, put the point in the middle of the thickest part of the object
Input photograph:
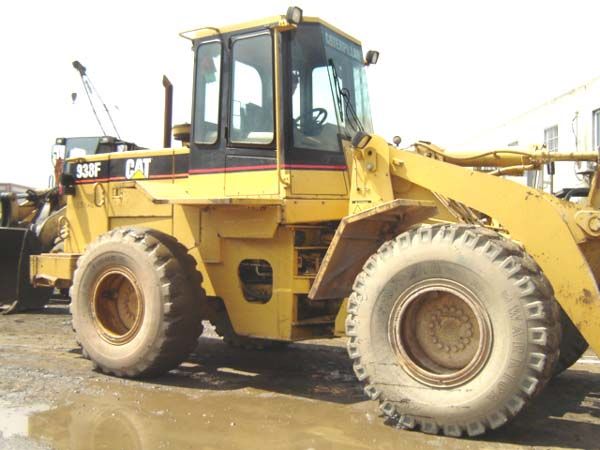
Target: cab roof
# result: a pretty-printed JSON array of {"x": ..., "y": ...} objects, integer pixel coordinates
[{"x": 267, "y": 22}]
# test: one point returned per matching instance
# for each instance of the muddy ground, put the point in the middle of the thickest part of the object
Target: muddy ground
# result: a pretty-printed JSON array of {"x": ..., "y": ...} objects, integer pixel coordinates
[{"x": 304, "y": 397}]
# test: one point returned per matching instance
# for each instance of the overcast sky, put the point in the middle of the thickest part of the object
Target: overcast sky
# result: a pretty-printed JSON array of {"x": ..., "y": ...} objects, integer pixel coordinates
[{"x": 448, "y": 69}]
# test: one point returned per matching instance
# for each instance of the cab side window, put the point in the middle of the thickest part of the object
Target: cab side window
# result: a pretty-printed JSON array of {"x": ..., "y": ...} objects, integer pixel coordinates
[
  {"x": 208, "y": 91},
  {"x": 251, "y": 118}
]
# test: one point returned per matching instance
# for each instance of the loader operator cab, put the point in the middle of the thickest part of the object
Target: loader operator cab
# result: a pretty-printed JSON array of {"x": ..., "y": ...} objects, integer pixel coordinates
[
  {"x": 316, "y": 73},
  {"x": 327, "y": 95}
]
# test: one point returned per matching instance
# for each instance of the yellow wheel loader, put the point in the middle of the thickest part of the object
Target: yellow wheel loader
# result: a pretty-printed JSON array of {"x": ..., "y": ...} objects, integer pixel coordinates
[
  {"x": 30, "y": 222},
  {"x": 286, "y": 218},
  {"x": 28, "y": 225}
]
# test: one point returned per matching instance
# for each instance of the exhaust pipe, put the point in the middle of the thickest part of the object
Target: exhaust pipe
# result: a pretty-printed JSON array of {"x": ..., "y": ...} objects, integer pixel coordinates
[{"x": 168, "y": 112}]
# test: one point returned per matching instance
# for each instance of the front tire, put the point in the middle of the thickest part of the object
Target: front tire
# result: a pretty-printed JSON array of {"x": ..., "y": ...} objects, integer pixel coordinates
[
  {"x": 452, "y": 328},
  {"x": 135, "y": 304}
]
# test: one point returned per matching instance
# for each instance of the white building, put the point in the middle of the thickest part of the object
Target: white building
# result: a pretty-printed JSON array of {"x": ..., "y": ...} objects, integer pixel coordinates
[{"x": 570, "y": 122}]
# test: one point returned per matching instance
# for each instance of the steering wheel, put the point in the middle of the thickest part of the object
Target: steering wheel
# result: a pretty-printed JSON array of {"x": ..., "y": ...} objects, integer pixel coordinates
[{"x": 311, "y": 122}]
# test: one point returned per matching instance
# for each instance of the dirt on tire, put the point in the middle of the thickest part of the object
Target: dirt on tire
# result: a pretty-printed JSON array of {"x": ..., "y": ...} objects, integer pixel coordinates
[
  {"x": 509, "y": 287},
  {"x": 170, "y": 322}
]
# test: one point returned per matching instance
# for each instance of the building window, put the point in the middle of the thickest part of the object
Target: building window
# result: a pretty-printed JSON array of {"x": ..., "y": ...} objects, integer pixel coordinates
[
  {"x": 551, "y": 138},
  {"x": 596, "y": 127}
]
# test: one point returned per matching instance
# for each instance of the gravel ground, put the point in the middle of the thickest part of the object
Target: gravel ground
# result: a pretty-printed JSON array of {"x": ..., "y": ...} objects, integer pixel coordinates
[{"x": 304, "y": 397}]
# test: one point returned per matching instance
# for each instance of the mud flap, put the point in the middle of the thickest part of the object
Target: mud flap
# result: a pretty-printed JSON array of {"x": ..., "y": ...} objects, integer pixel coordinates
[
  {"x": 16, "y": 292},
  {"x": 357, "y": 237}
]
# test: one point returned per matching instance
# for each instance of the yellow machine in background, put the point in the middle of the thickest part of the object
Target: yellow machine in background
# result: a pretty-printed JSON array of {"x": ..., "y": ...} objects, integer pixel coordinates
[
  {"x": 29, "y": 224},
  {"x": 286, "y": 218}
]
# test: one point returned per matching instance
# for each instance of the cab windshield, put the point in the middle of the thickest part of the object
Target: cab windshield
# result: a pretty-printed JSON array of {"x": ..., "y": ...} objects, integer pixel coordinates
[{"x": 328, "y": 89}]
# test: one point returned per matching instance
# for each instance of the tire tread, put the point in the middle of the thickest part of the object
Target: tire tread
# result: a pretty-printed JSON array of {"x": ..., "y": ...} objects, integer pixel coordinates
[
  {"x": 520, "y": 267},
  {"x": 181, "y": 292}
]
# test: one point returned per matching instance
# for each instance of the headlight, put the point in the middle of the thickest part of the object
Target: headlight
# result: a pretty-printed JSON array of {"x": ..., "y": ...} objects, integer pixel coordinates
[
  {"x": 294, "y": 15},
  {"x": 372, "y": 57},
  {"x": 360, "y": 140}
]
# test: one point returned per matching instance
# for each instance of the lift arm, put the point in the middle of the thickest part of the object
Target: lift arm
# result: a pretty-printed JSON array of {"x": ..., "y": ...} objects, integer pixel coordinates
[{"x": 547, "y": 227}]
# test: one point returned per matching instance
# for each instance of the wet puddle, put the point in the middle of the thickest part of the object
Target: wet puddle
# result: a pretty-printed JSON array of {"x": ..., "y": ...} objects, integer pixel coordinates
[
  {"x": 132, "y": 418},
  {"x": 14, "y": 421},
  {"x": 301, "y": 399},
  {"x": 174, "y": 412},
  {"x": 14, "y": 425}
]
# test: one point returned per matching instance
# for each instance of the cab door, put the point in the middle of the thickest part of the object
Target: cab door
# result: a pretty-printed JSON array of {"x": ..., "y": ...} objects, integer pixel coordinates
[
  {"x": 313, "y": 152},
  {"x": 250, "y": 160},
  {"x": 207, "y": 149}
]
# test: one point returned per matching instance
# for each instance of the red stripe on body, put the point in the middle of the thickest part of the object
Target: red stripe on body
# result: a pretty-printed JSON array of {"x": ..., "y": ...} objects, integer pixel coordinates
[{"x": 267, "y": 167}]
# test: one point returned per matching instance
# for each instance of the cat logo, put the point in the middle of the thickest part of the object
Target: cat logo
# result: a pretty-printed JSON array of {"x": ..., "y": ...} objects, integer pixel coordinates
[{"x": 137, "y": 169}]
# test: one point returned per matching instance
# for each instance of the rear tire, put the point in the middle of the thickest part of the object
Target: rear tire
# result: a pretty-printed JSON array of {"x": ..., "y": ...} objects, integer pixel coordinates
[
  {"x": 452, "y": 329},
  {"x": 136, "y": 303}
]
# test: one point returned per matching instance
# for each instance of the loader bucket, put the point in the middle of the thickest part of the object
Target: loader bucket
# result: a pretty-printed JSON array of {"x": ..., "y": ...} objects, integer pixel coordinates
[{"x": 16, "y": 292}]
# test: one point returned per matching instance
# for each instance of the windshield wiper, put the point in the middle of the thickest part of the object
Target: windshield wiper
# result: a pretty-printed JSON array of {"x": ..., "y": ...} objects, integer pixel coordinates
[
  {"x": 344, "y": 93},
  {"x": 337, "y": 89},
  {"x": 351, "y": 112}
]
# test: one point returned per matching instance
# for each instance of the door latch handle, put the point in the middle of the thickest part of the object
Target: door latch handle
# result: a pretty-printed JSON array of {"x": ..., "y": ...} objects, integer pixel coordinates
[{"x": 99, "y": 197}]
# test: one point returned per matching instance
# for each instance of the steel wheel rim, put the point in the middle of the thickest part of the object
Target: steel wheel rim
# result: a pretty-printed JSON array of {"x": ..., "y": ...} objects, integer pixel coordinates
[
  {"x": 117, "y": 305},
  {"x": 440, "y": 333}
]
